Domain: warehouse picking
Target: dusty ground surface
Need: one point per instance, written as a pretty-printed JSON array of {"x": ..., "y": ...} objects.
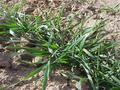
[{"x": 10, "y": 76}]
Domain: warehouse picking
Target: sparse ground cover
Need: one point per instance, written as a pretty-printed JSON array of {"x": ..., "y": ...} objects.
[{"x": 60, "y": 45}]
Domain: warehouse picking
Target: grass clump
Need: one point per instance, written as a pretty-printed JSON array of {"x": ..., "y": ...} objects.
[{"x": 68, "y": 43}]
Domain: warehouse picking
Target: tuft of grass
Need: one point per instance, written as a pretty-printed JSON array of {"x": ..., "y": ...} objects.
[
  {"x": 67, "y": 43},
  {"x": 112, "y": 10}
]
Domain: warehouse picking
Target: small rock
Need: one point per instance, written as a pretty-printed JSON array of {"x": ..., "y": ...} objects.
[{"x": 37, "y": 59}]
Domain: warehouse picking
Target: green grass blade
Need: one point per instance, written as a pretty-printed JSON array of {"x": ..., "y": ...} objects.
[{"x": 46, "y": 76}]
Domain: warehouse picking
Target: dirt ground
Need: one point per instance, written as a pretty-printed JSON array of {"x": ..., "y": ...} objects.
[{"x": 10, "y": 76}]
